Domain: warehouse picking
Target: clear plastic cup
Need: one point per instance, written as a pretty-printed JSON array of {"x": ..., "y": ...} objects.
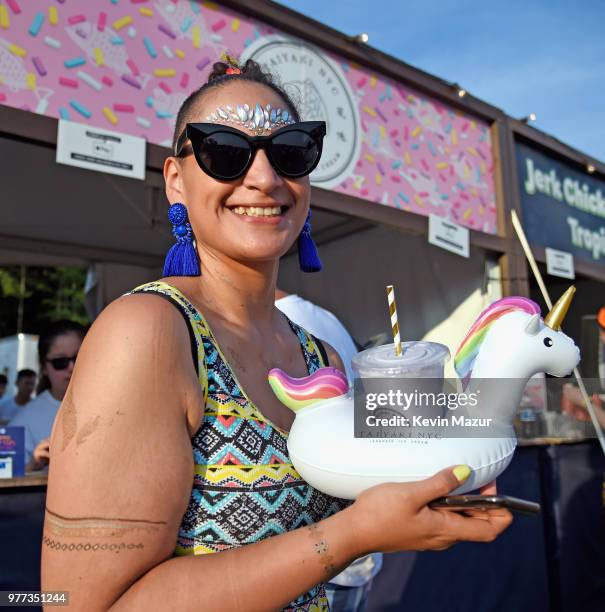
[{"x": 419, "y": 360}]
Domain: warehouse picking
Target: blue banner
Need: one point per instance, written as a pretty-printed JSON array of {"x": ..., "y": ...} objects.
[
  {"x": 563, "y": 208},
  {"x": 12, "y": 451}
]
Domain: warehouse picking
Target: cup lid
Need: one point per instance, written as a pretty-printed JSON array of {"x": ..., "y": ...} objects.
[{"x": 417, "y": 356}]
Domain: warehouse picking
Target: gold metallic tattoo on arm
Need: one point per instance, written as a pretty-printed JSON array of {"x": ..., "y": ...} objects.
[
  {"x": 93, "y": 527},
  {"x": 322, "y": 549},
  {"x": 69, "y": 420},
  {"x": 88, "y": 547},
  {"x": 87, "y": 429}
]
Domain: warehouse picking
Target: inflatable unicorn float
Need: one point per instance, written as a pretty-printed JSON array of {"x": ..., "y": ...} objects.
[{"x": 509, "y": 340}]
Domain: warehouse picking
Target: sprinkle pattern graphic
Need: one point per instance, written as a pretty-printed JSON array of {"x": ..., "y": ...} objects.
[{"x": 416, "y": 154}]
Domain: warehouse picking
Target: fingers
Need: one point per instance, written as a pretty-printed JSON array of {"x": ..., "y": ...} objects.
[
  {"x": 476, "y": 529},
  {"x": 489, "y": 489},
  {"x": 42, "y": 450},
  {"x": 482, "y": 515},
  {"x": 41, "y": 454},
  {"x": 440, "y": 484}
]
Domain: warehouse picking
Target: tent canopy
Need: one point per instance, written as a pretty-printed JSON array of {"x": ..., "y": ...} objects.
[{"x": 58, "y": 211}]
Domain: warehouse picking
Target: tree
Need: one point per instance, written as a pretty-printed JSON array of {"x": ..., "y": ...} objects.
[{"x": 33, "y": 297}]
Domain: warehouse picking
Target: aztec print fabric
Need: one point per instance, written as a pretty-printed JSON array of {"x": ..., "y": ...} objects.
[{"x": 245, "y": 488}]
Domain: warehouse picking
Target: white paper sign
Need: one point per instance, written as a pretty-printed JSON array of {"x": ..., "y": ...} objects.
[
  {"x": 448, "y": 235},
  {"x": 560, "y": 263},
  {"x": 102, "y": 150},
  {"x": 6, "y": 467}
]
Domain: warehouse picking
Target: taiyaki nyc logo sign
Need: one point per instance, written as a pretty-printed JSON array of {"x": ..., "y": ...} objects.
[
  {"x": 318, "y": 87},
  {"x": 563, "y": 208}
]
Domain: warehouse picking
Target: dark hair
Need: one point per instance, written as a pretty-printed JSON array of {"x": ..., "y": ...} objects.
[
  {"x": 47, "y": 337},
  {"x": 25, "y": 373},
  {"x": 3, "y": 380},
  {"x": 250, "y": 71}
]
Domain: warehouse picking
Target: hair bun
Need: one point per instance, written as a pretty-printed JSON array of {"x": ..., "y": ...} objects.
[
  {"x": 224, "y": 71},
  {"x": 229, "y": 66},
  {"x": 253, "y": 70},
  {"x": 219, "y": 69}
]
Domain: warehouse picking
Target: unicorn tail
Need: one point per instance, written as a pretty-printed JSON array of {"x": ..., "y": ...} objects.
[{"x": 298, "y": 393}]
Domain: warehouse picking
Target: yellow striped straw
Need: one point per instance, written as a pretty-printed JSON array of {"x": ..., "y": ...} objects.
[{"x": 394, "y": 322}]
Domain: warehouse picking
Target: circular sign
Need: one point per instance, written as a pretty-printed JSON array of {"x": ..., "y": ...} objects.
[{"x": 320, "y": 91}]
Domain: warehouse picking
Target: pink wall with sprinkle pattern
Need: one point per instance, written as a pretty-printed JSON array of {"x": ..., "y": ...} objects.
[{"x": 128, "y": 65}]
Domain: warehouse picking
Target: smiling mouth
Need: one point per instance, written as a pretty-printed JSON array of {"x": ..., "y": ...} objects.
[{"x": 259, "y": 211}]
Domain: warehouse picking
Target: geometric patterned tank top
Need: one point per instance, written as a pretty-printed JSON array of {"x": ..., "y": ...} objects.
[{"x": 245, "y": 488}]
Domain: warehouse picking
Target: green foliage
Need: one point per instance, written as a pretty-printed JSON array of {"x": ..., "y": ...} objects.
[
  {"x": 49, "y": 294},
  {"x": 9, "y": 282}
]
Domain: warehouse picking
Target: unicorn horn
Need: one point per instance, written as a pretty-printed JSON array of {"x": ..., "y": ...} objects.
[{"x": 557, "y": 313}]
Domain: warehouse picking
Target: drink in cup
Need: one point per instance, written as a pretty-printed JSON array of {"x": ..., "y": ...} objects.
[{"x": 419, "y": 368}]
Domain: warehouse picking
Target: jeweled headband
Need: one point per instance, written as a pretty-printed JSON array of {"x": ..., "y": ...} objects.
[{"x": 258, "y": 118}]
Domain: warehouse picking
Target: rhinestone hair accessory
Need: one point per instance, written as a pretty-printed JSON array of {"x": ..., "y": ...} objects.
[{"x": 258, "y": 118}]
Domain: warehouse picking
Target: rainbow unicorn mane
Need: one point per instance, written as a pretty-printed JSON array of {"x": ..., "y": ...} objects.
[
  {"x": 467, "y": 352},
  {"x": 297, "y": 393}
]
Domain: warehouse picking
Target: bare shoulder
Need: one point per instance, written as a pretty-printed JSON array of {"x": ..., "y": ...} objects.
[
  {"x": 134, "y": 372},
  {"x": 139, "y": 345},
  {"x": 139, "y": 317}
]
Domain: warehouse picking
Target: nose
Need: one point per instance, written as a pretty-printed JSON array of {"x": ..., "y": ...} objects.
[{"x": 261, "y": 174}]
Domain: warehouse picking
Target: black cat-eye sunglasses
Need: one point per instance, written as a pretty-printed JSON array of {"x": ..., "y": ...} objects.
[{"x": 225, "y": 153}]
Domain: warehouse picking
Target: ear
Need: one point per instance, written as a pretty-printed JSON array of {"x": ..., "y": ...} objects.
[
  {"x": 173, "y": 177},
  {"x": 533, "y": 325}
]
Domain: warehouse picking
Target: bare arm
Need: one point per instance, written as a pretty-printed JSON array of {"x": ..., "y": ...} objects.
[{"x": 121, "y": 475}]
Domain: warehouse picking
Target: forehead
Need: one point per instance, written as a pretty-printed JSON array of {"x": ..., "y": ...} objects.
[
  {"x": 234, "y": 94},
  {"x": 64, "y": 344}
]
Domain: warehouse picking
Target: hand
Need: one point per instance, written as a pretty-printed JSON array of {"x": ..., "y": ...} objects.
[
  {"x": 597, "y": 404},
  {"x": 41, "y": 455},
  {"x": 573, "y": 404},
  {"x": 395, "y": 517}
]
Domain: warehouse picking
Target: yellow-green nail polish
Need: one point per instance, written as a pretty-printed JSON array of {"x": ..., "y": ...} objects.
[{"x": 462, "y": 472}]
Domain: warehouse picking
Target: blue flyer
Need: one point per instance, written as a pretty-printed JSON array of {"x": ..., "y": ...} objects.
[{"x": 12, "y": 451}]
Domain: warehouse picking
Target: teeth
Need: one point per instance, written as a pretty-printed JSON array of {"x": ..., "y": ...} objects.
[{"x": 257, "y": 211}]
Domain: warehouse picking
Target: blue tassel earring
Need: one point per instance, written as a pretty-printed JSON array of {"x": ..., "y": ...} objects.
[
  {"x": 308, "y": 257},
  {"x": 181, "y": 259}
]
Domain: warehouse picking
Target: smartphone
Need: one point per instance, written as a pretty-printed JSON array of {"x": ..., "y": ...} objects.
[{"x": 485, "y": 502}]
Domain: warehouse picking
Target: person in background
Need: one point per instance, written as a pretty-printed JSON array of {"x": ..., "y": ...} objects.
[
  {"x": 3, "y": 384},
  {"x": 58, "y": 348},
  {"x": 573, "y": 403},
  {"x": 349, "y": 590},
  {"x": 25, "y": 383},
  {"x": 601, "y": 324}
]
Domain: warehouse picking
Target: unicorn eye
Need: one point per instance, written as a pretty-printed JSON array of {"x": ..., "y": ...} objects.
[{"x": 548, "y": 342}]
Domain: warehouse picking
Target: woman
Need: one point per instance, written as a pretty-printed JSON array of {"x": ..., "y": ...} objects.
[
  {"x": 58, "y": 348},
  {"x": 156, "y": 453}
]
